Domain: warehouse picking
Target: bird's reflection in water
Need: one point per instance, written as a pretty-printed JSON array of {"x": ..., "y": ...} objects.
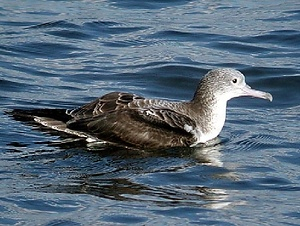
[
  {"x": 166, "y": 177},
  {"x": 206, "y": 154},
  {"x": 171, "y": 177},
  {"x": 209, "y": 153}
]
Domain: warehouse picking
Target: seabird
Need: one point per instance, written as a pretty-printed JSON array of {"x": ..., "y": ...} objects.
[{"x": 134, "y": 121}]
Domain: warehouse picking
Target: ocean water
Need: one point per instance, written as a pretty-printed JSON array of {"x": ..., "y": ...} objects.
[{"x": 62, "y": 54}]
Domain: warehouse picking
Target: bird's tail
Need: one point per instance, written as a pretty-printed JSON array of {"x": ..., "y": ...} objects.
[
  {"x": 27, "y": 115},
  {"x": 54, "y": 119},
  {"x": 51, "y": 118}
]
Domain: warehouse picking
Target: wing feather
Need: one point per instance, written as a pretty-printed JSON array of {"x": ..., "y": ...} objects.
[
  {"x": 107, "y": 103},
  {"x": 166, "y": 117},
  {"x": 138, "y": 127}
]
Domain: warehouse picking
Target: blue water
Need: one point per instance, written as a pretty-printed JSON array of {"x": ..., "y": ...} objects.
[{"x": 61, "y": 54}]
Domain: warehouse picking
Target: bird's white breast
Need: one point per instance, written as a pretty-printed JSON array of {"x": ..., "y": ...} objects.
[{"x": 212, "y": 126}]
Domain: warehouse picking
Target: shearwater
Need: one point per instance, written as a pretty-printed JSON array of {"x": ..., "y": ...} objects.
[{"x": 134, "y": 121}]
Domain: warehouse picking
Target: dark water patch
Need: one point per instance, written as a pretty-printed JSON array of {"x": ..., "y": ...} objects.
[
  {"x": 274, "y": 80},
  {"x": 244, "y": 44},
  {"x": 276, "y": 183},
  {"x": 148, "y": 4},
  {"x": 8, "y": 221},
  {"x": 295, "y": 215},
  {"x": 239, "y": 47},
  {"x": 291, "y": 15},
  {"x": 55, "y": 24},
  {"x": 16, "y": 23},
  {"x": 29, "y": 69},
  {"x": 280, "y": 54},
  {"x": 33, "y": 50},
  {"x": 175, "y": 71},
  {"x": 271, "y": 72},
  {"x": 295, "y": 14},
  {"x": 199, "y": 26},
  {"x": 184, "y": 36},
  {"x": 42, "y": 205},
  {"x": 265, "y": 183},
  {"x": 230, "y": 65},
  {"x": 10, "y": 86},
  {"x": 290, "y": 158},
  {"x": 257, "y": 142},
  {"x": 6, "y": 50},
  {"x": 17, "y": 144},
  {"x": 110, "y": 28},
  {"x": 279, "y": 37},
  {"x": 124, "y": 219},
  {"x": 70, "y": 34},
  {"x": 148, "y": 81},
  {"x": 87, "y": 30},
  {"x": 62, "y": 223},
  {"x": 101, "y": 24},
  {"x": 42, "y": 49},
  {"x": 66, "y": 87},
  {"x": 175, "y": 35},
  {"x": 43, "y": 13},
  {"x": 176, "y": 212},
  {"x": 246, "y": 121},
  {"x": 257, "y": 169},
  {"x": 195, "y": 216},
  {"x": 173, "y": 77},
  {"x": 277, "y": 85},
  {"x": 125, "y": 43}
]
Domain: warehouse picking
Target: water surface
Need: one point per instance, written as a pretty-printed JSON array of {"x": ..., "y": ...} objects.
[{"x": 61, "y": 54}]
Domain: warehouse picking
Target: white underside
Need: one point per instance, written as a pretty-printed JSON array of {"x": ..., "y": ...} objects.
[
  {"x": 200, "y": 137},
  {"x": 216, "y": 123}
]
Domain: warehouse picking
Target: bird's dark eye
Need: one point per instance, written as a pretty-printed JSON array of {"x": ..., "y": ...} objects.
[{"x": 234, "y": 80}]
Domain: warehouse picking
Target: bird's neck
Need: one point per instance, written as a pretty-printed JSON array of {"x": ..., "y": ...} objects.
[{"x": 210, "y": 113}]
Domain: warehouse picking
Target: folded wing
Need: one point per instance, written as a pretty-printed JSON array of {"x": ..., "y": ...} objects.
[
  {"x": 149, "y": 127},
  {"x": 107, "y": 103}
]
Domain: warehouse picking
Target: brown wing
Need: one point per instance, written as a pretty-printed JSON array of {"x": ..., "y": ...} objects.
[
  {"x": 107, "y": 103},
  {"x": 143, "y": 128},
  {"x": 166, "y": 117}
]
